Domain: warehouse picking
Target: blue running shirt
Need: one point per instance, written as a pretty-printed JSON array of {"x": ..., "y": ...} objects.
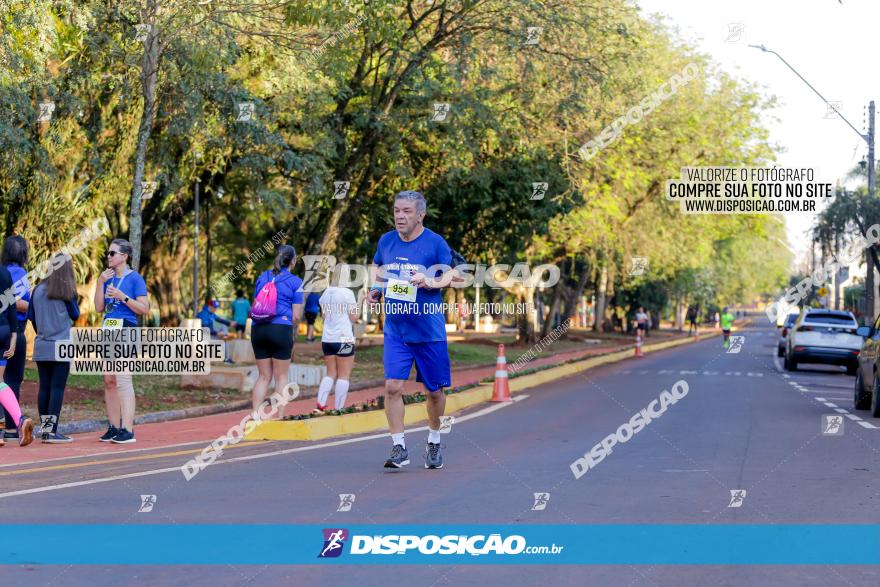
[{"x": 420, "y": 320}]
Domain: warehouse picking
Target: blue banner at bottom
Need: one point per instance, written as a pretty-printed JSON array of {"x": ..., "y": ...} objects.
[{"x": 611, "y": 544}]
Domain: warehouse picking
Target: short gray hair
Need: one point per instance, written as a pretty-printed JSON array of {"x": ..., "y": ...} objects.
[{"x": 413, "y": 196}]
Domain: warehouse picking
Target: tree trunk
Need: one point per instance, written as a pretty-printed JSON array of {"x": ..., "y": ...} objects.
[
  {"x": 449, "y": 294},
  {"x": 549, "y": 323},
  {"x": 165, "y": 280},
  {"x": 574, "y": 295},
  {"x": 679, "y": 320},
  {"x": 149, "y": 83},
  {"x": 525, "y": 321},
  {"x": 459, "y": 299},
  {"x": 601, "y": 288}
]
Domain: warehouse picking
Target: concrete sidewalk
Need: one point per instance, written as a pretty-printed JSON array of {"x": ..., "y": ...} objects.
[{"x": 204, "y": 429}]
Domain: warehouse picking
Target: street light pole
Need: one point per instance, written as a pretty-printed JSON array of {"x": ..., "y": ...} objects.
[
  {"x": 196, "y": 255},
  {"x": 870, "y": 286},
  {"x": 870, "y": 293}
]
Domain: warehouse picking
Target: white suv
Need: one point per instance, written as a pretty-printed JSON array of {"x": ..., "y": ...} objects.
[{"x": 823, "y": 336}]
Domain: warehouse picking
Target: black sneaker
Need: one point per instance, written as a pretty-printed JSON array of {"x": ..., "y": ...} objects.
[
  {"x": 10, "y": 434},
  {"x": 111, "y": 432},
  {"x": 56, "y": 438},
  {"x": 433, "y": 457},
  {"x": 399, "y": 457},
  {"x": 123, "y": 437}
]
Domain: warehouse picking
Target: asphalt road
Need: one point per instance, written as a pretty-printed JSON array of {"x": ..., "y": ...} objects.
[{"x": 744, "y": 424}]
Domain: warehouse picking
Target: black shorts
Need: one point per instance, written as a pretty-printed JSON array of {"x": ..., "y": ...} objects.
[
  {"x": 239, "y": 327},
  {"x": 272, "y": 341},
  {"x": 643, "y": 326},
  {"x": 310, "y": 317},
  {"x": 339, "y": 349}
]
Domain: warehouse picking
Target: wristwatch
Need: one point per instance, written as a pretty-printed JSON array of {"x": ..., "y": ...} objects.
[{"x": 125, "y": 301}]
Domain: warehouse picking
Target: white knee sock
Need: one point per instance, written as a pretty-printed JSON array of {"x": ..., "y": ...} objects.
[
  {"x": 324, "y": 390},
  {"x": 340, "y": 393}
]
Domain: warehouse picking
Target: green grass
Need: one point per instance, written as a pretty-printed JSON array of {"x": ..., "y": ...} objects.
[{"x": 81, "y": 381}]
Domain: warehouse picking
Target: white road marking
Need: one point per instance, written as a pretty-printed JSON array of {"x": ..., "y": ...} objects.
[
  {"x": 45, "y": 488},
  {"x": 685, "y": 470},
  {"x": 109, "y": 452},
  {"x": 823, "y": 387}
]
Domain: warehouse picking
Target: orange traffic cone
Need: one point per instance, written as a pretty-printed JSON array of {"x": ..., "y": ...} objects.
[
  {"x": 501, "y": 393},
  {"x": 639, "y": 352}
]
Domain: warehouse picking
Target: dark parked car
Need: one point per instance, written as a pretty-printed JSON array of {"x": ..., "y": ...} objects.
[
  {"x": 783, "y": 334},
  {"x": 867, "y": 386}
]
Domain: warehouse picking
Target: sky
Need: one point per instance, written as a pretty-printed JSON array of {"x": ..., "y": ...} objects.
[{"x": 828, "y": 42}]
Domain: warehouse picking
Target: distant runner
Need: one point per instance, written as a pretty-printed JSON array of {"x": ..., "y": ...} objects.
[
  {"x": 415, "y": 328},
  {"x": 726, "y": 323},
  {"x": 642, "y": 322},
  {"x": 311, "y": 314}
]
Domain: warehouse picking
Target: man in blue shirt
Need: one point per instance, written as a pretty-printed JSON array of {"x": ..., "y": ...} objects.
[
  {"x": 413, "y": 266},
  {"x": 241, "y": 307},
  {"x": 209, "y": 316}
]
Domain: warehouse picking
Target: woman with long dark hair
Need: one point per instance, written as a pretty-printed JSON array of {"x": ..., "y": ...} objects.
[
  {"x": 53, "y": 308},
  {"x": 15, "y": 257},
  {"x": 8, "y": 342},
  {"x": 274, "y": 327},
  {"x": 122, "y": 296}
]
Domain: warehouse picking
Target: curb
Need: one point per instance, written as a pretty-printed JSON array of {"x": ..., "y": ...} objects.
[
  {"x": 358, "y": 423},
  {"x": 80, "y": 426}
]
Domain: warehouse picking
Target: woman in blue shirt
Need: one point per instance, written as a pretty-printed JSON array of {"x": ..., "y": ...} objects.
[
  {"x": 122, "y": 296},
  {"x": 272, "y": 340},
  {"x": 15, "y": 258}
]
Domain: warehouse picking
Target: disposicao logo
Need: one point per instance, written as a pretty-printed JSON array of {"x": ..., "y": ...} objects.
[{"x": 334, "y": 540}]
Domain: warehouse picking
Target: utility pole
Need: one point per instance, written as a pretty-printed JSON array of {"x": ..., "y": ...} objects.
[
  {"x": 196, "y": 254},
  {"x": 870, "y": 287}
]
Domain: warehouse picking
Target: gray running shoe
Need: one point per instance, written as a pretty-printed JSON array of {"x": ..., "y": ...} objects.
[
  {"x": 433, "y": 457},
  {"x": 399, "y": 457}
]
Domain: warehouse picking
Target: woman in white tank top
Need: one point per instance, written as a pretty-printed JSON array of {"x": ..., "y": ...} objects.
[{"x": 339, "y": 309}]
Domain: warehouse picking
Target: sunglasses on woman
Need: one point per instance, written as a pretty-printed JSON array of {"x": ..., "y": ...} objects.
[{"x": 114, "y": 253}]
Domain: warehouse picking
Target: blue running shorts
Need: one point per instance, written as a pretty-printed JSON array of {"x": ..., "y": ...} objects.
[{"x": 431, "y": 359}]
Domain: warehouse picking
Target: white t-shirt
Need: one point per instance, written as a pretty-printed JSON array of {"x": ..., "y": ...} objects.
[{"x": 336, "y": 302}]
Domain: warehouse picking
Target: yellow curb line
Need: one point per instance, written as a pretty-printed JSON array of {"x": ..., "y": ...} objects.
[{"x": 358, "y": 423}]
